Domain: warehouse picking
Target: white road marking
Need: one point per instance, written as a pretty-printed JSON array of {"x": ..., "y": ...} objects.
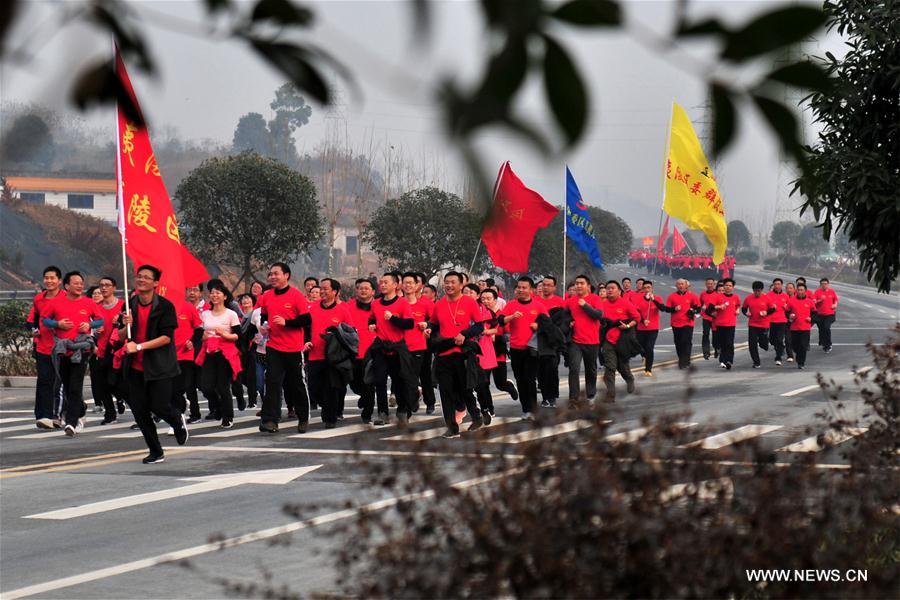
[
  {"x": 92, "y": 426},
  {"x": 830, "y": 438},
  {"x": 325, "y": 434},
  {"x": 862, "y": 371},
  {"x": 633, "y": 435},
  {"x": 799, "y": 391},
  {"x": 16, "y": 411},
  {"x": 15, "y": 420},
  {"x": 162, "y": 426},
  {"x": 882, "y": 310},
  {"x": 714, "y": 442},
  {"x": 867, "y": 305},
  {"x": 541, "y": 433},
  {"x": 209, "y": 483},
  {"x": 436, "y": 432},
  {"x": 229, "y": 433}
]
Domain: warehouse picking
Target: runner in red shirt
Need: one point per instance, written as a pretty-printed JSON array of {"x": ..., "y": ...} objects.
[
  {"x": 496, "y": 332},
  {"x": 519, "y": 317},
  {"x": 758, "y": 309},
  {"x": 184, "y": 387},
  {"x": 326, "y": 314},
  {"x": 801, "y": 310},
  {"x": 778, "y": 320},
  {"x": 47, "y": 390},
  {"x": 360, "y": 308},
  {"x": 620, "y": 315},
  {"x": 284, "y": 310},
  {"x": 727, "y": 306},
  {"x": 683, "y": 305},
  {"x": 548, "y": 364},
  {"x": 826, "y": 304},
  {"x": 421, "y": 309},
  {"x": 392, "y": 317},
  {"x": 585, "y": 345},
  {"x": 706, "y": 297},
  {"x": 648, "y": 306},
  {"x": 101, "y": 363},
  {"x": 72, "y": 317}
]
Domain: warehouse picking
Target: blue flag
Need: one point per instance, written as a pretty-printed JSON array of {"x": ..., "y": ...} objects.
[{"x": 578, "y": 222}]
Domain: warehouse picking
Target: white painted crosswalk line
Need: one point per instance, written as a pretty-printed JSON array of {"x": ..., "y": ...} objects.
[
  {"x": 633, "y": 435},
  {"x": 714, "y": 442},
  {"x": 230, "y": 433},
  {"x": 163, "y": 426},
  {"x": 437, "y": 432},
  {"x": 831, "y": 438},
  {"x": 540, "y": 433},
  {"x": 5, "y": 420},
  {"x": 325, "y": 434},
  {"x": 799, "y": 391},
  {"x": 92, "y": 426}
]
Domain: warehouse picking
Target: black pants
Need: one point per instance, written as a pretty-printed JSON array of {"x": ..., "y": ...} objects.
[
  {"x": 450, "y": 372},
  {"x": 777, "y": 332},
  {"x": 586, "y": 353},
  {"x": 501, "y": 380},
  {"x": 284, "y": 369},
  {"x": 707, "y": 347},
  {"x": 184, "y": 389},
  {"x": 216, "y": 378},
  {"x": 102, "y": 386},
  {"x": 388, "y": 365},
  {"x": 47, "y": 389},
  {"x": 322, "y": 392},
  {"x": 824, "y": 322},
  {"x": 483, "y": 394},
  {"x": 757, "y": 337},
  {"x": 148, "y": 398},
  {"x": 72, "y": 376},
  {"x": 248, "y": 375},
  {"x": 684, "y": 343},
  {"x": 647, "y": 340},
  {"x": 726, "y": 344},
  {"x": 366, "y": 391},
  {"x": 548, "y": 376},
  {"x": 525, "y": 370},
  {"x": 425, "y": 379},
  {"x": 800, "y": 340},
  {"x": 611, "y": 364}
]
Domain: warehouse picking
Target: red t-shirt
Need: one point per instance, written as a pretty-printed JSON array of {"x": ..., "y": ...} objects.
[
  {"x": 619, "y": 310},
  {"x": 648, "y": 311},
  {"x": 825, "y": 300},
  {"x": 629, "y": 295},
  {"x": 39, "y": 306},
  {"x": 520, "y": 331},
  {"x": 802, "y": 309},
  {"x": 140, "y": 334},
  {"x": 109, "y": 316},
  {"x": 755, "y": 306},
  {"x": 684, "y": 302},
  {"x": 552, "y": 302},
  {"x": 420, "y": 311},
  {"x": 188, "y": 320},
  {"x": 707, "y": 298},
  {"x": 288, "y": 304},
  {"x": 384, "y": 329},
  {"x": 585, "y": 330},
  {"x": 779, "y": 301},
  {"x": 80, "y": 311},
  {"x": 453, "y": 317},
  {"x": 359, "y": 318},
  {"x": 322, "y": 319},
  {"x": 727, "y": 317}
]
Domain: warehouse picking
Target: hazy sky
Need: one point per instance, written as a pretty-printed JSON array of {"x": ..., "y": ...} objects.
[{"x": 205, "y": 86}]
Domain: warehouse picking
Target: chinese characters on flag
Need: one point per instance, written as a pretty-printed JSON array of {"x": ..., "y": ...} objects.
[{"x": 146, "y": 219}]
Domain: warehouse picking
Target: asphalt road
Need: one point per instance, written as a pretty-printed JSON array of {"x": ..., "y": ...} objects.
[{"x": 130, "y": 546}]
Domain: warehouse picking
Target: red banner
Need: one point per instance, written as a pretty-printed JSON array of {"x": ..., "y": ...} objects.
[
  {"x": 660, "y": 245},
  {"x": 146, "y": 218},
  {"x": 678, "y": 242},
  {"x": 517, "y": 214}
]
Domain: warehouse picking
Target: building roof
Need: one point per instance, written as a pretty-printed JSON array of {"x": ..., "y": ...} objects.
[{"x": 59, "y": 184}]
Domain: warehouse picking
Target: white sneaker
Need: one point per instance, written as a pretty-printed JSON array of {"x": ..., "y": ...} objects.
[
  {"x": 70, "y": 431},
  {"x": 527, "y": 416},
  {"x": 778, "y": 362},
  {"x": 80, "y": 427},
  {"x": 790, "y": 359},
  {"x": 98, "y": 409},
  {"x": 170, "y": 431}
]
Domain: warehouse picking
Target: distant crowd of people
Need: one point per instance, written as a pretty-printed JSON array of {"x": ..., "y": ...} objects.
[{"x": 689, "y": 266}]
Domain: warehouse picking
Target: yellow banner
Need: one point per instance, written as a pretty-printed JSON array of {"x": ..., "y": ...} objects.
[{"x": 691, "y": 191}]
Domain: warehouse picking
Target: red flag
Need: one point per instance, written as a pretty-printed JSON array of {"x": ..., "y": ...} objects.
[
  {"x": 146, "y": 218},
  {"x": 662, "y": 238},
  {"x": 517, "y": 214},
  {"x": 678, "y": 242}
]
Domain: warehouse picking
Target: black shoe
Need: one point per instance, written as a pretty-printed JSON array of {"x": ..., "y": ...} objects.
[
  {"x": 545, "y": 404},
  {"x": 134, "y": 426},
  {"x": 156, "y": 419},
  {"x": 251, "y": 404},
  {"x": 429, "y": 410},
  {"x": 486, "y": 417},
  {"x": 227, "y": 424},
  {"x": 241, "y": 404},
  {"x": 706, "y": 357},
  {"x": 330, "y": 425},
  {"x": 301, "y": 427},
  {"x": 292, "y": 414},
  {"x": 152, "y": 459},
  {"x": 450, "y": 434},
  {"x": 120, "y": 406},
  {"x": 109, "y": 421},
  {"x": 181, "y": 433},
  {"x": 552, "y": 403},
  {"x": 193, "y": 420},
  {"x": 513, "y": 392},
  {"x": 728, "y": 366},
  {"x": 211, "y": 417},
  {"x": 476, "y": 425},
  {"x": 629, "y": 386},
  {"x": 268, "y": 427},
  {"x": 402, "y": 419},
  {"x": 757, "y": 366},
  {"x": 340, "y": 417}
]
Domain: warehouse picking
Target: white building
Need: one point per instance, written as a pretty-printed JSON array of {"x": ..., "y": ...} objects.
[{"x": 95, "y": 197}]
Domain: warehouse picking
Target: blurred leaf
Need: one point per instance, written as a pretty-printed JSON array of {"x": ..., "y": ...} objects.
[
  {"x": 782, "y": 122},
  {"x": 217, "y": 5},
  {"x": 804, "y": 74},
  {"x": 706, "y": 27},
  {"x": 724, "y": 121},
  {"x": 516, "y": 17},
  {"x": 507, "y": 71},
  {"x": 130, "y": 42},
  {"x": 295, "y": 62},
  {"x": 530, "y": 133},
  {"x": 589, "y": 13},
  {"x": 98, "y": 85},
  {"x": 775, "y": 29},
  {"x": 421, "y": 19},
  {"x": 565, "y": 91},
  {"x": 281, "y": 11},
  {"x": 8, "y": 11}
]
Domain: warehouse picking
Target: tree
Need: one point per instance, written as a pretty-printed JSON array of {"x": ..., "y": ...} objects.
[
  {"x": 810, "y": 241},
  {"x": 853, "y": 171},
  {"x": 614, "y": 238},
  {"x": 252, "y": 134},
  {"x": 249, "y": 211},
  {"x": 275, "y": 138},
  {"x": 28, "y": 144},
  {"x": 784, "y": 236},
  {"x": 425, "y": 230},
  {"x": 738, "y": 236}
]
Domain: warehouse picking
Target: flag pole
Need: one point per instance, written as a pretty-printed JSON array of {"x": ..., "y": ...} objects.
[
  {"x": 493, "y": 201},
  {"x": 477, "y": 248},
  {"x": 120, "y": 204},
  {"x": 664, "y": 170},
  {"x": 565, "y": 233}
]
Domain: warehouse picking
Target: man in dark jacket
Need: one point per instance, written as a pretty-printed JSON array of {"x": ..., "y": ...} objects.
[{"x": 151, "y": 362}]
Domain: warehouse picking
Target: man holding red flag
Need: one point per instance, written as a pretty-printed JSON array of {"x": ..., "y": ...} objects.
[{"x": 517, "y": 214}]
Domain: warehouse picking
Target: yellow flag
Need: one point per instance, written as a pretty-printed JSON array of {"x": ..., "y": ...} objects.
[{"x": 691, "y": 191}]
